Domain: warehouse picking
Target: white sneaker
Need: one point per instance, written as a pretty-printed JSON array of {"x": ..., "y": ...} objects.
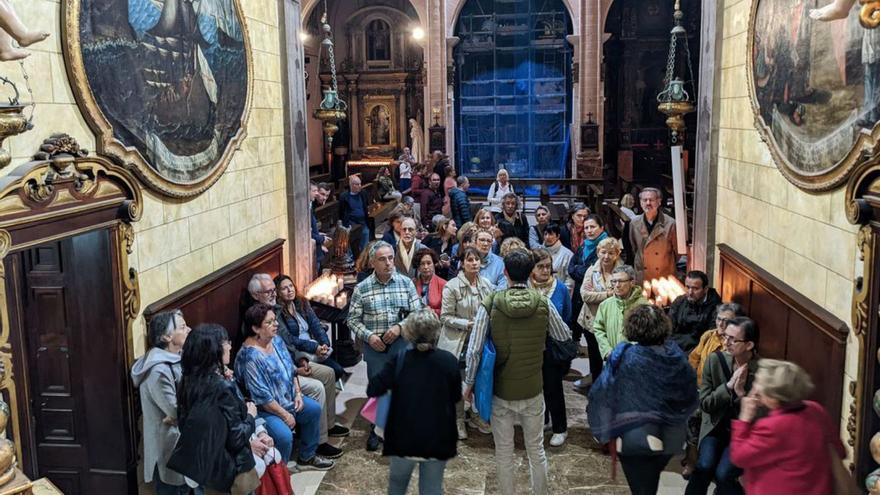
[
  {"x": 462, "y": 430},
  {"x": 558, "y": 439}
]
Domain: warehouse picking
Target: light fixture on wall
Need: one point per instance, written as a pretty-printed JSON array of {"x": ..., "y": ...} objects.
[
  {"x": 675, "y": 100},
  {"x": 418, "y": 34},
  {"x": 332, "y": 108}
]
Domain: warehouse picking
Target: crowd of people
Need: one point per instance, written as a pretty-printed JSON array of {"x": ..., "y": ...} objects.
[{"x": 471, "y": 324}]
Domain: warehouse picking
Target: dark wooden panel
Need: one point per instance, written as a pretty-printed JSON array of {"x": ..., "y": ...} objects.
[
  {"x": 792, "y": 326},
  {"x": 214, "y": 298}
]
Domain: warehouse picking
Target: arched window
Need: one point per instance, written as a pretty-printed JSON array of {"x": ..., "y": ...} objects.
[
  {"x": 513, "y": 88},
  {"x": 378, "y": 41}
]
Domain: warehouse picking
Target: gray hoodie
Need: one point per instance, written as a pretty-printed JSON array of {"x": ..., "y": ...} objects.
[{"x": 156, "y": 375}]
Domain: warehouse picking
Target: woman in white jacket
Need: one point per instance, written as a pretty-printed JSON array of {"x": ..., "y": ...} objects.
[
  {"x": 462, "y": 297},
  {"x": 498, "y": 189}
]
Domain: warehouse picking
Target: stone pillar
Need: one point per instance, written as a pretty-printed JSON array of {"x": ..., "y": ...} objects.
[
  {"x": 590, "y": 61},
  {"x": 296, "y": 157},
  {"x": 706, "y": 162},
  {"x": 575, "y": 42},
  {"x": 435, "y": 58},
  {"x": 449, "y": 122}
]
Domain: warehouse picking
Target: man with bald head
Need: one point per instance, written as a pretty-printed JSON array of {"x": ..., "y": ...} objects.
[{"x": 353, "y": 208}]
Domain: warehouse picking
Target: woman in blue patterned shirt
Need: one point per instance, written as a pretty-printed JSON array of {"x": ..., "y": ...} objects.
[{"x": 265, "y": 370}]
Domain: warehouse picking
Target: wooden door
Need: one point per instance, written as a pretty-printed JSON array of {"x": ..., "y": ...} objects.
[{"x": 79, "y": 424}]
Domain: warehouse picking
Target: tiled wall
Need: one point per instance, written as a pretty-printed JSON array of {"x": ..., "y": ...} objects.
[
  {"x": 801, "y": 238},
  {"x": 178, "y": 242}
]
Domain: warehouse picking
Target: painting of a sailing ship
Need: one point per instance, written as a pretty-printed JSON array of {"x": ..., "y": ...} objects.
[{"x": 170, "y": 76}]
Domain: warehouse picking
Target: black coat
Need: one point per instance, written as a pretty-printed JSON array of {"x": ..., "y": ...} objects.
[
  {"x": 214, "y": 445},
  {"x": 690, "y": 320},
  {"x": 421, "y": 421},
  {"x": 518, "y": 228}
]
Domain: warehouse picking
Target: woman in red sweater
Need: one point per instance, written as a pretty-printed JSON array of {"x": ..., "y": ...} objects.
[{"x": 786, "y": 451}]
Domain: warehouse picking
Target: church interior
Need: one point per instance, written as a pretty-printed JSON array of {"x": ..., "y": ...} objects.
[{"x": 159, "y": 153}]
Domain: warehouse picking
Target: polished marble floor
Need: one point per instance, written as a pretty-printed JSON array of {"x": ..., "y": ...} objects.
[{"x": 578, "y": 467}]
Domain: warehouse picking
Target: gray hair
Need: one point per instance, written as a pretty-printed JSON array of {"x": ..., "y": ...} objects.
[
  {"x": 651, "y": 190},
  {"x": 732, "y": 307},
  {"x": 628, "y": 270},
  {"x": 378, "y": 245},
  {"x": 461, "y": 180},
  {"x": 422, "y": 328},
  {"x": 161, "y": 325},
  {"x": 256, "y": 283}
]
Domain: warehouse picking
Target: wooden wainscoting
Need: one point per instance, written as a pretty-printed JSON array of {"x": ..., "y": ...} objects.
[
  {"x": 792, "y": 327},
  {"x": 214, "y": 298}
]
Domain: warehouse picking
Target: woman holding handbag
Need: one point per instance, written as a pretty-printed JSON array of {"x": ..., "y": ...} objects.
[
  {"x": 794, "y": 448},
  {"x": 425, "y": 387},
  {"x": 217, "y": 445}
]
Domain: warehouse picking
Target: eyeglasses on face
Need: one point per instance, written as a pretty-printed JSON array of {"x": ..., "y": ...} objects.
[
  {"x": 268, "y": 292},
  {"x": 721, "y": 321},
  {"x": 620, "y": 281},
  {"x": 732, "y": 339}
]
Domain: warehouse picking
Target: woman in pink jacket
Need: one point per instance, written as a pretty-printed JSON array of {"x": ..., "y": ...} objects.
[{"x": 787, "y": 451}]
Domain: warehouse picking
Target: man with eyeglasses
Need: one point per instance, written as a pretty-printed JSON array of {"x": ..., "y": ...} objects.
[
  {"x": 608, "y": 323},
  {"x": 491, "y": 265},
  {"x": 711, "y": 341},
  {"x": 321, "y": 385},
  {"x": 727, "y": 378},
  {"x": 693, "y": 312}
]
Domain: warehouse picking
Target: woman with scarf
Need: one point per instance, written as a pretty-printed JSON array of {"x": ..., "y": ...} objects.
[
  {"x": 593, "y": 233},
  {"x": 462, "y": 297},
  {"x": 595, "y": 289},
  {"x": 407, "y": 247},
  {"x": 536, "y": 232},
  {"x": 428, "y": 285},
  {"x": 572, "y": 234},
  {"x": 641, "y": 403},
  {"x": 543, "y": 281}
]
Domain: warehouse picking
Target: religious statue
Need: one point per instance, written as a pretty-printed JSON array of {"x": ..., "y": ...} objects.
[
  {"x": 418, "y": 141},
  {"x": 11, "y": 28},
  {"x": 343, "y": 261},
  {"x": 380, "y": 126}
]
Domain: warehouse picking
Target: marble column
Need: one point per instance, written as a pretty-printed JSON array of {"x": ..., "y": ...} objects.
[
  {"x": 706, "y": 162},
  {"x": 296, "y": 157}
]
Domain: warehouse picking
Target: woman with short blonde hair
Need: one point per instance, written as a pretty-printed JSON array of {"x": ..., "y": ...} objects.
[{"x": 791, "y": 449}]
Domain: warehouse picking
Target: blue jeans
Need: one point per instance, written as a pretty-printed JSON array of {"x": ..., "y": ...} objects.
[
  {"x": 430, "y": 476},
  {"x": 309, "y": 423},
  {"x": 713, "y": 460}
]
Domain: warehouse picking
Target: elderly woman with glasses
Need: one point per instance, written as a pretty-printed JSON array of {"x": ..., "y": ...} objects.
[
  {"x": 727, "y": 378},
  {"x": 608, "y": 323},
  {"x": 792, "y": 449},
  {"x": 265, "y": 369}
]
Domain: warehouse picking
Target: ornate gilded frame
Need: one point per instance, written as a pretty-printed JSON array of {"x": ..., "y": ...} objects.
[
  {"x": 390, "y": 102},
  {"x": 108, "y": 145},
  {"x": 833, "y": 177},
  {"x": 62, "y": 183}
]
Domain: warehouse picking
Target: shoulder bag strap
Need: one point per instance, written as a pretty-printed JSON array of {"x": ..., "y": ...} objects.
[{"x": 724, "y": 366}]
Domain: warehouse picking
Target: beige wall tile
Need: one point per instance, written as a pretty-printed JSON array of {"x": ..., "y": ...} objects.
[
  {"x": 244, "y": 215},
  {"x": 209, "y": 227},
  {"x": 807, "y": 277},
  {"x": 273, "y": 204},
  {"x": 838, "y": 297},
  {"x": 736, "y": 19},
  {"x": 153, "y": 284},
  {"x": 230, "y": 249},
  {"x": 153, "y": 213},
  {"x": 187, "y": 269},
  {"x": 768, "y": 255},
  {"x": 733, "y": 82}
]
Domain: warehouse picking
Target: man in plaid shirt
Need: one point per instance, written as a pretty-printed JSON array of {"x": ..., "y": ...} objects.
[{"x": 379, "y": 304}]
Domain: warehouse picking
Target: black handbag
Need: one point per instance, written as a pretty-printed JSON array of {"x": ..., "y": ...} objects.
[{"x": 561, "y": 352}]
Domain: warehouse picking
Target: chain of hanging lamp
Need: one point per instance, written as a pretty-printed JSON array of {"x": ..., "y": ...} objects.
[{"x": 678, "y": 31}]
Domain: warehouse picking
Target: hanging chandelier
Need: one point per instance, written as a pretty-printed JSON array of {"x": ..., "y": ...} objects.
[
  {"x": 675, "y": 101},
  {"x": 332, "y": 108}
]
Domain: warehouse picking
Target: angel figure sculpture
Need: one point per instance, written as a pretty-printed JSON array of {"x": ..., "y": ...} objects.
[{"x": 11, "y": 28}]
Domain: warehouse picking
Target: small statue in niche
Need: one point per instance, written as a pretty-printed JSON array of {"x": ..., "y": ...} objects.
[
  {"x": 418, "y": 140},
  {"x": 11, "y": 28}
]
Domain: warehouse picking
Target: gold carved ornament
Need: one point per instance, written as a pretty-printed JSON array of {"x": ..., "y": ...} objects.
[
  {"x": 869, "y": 15},
  {"x": 62, "y": 182}
]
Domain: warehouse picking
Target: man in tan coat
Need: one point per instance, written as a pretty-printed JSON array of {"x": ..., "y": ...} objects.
[{"x": 651, "y": 239}]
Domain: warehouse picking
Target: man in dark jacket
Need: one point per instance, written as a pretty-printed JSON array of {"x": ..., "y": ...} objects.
[
  {"x": 432, "y": 201},
  {"x": 353, "y": 208},
  {"x": 693, "y": 312},
  {"x": 459, "y": 204}
]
